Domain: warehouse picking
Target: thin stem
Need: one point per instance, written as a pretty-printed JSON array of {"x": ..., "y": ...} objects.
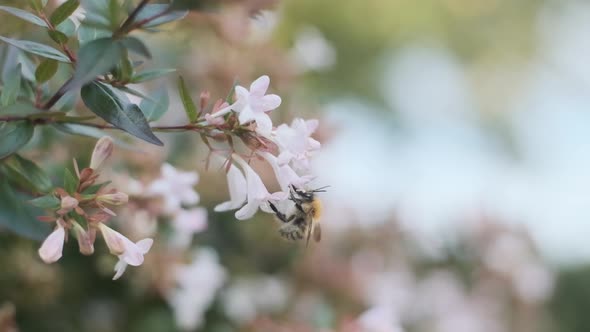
[
  {"x": 56, "y": 97},
  {"x": 124, "y": 28}
]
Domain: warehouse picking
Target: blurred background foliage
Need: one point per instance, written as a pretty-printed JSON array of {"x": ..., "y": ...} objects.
[{"x": 212, "y": 49}]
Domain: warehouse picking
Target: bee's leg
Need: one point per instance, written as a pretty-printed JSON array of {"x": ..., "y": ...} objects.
[{"x": 279, "y": 214}]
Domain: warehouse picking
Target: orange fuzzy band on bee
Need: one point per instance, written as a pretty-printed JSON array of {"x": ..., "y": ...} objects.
[{"x": 316, "y": 209}]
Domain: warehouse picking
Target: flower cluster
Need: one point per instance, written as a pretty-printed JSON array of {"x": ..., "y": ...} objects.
[
  {"x": 83, "y": 207},
  {"x": 287, "y": 149}
]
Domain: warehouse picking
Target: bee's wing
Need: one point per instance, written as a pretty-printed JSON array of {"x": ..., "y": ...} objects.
[{"x": 317, "y": 232}]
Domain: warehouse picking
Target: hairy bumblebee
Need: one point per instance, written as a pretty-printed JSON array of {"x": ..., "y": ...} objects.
[{"x": 303, "y": 219}]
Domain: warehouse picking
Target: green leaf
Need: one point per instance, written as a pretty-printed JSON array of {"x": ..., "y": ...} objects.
[
  {"x": 154, "y": 108},
  {"x": 48, "y": 202},
  {"x": 14, "y": 136},
  {"x": 155, "y": 9},
  {"x": 27, "y": 174},
  {"x": 187, "y": 101},
  {"x": 18, "y": 217},
  {"x": 87, "y": 33},
  {"x": 194, "y": 4},
  {"x": 67, "y": 27},
  {"x": 57, "y": 36},
  {"x": 137, "y": 46},
  {"x": 11, "y": 86},
  {"x": 126, "y": 68},
  {"x": 64, "y": 11},
  {"x": 116, "y": 110},
  {"x": 24, "y": 15},
  {"x": 150, "y": 75},
  {"x": 37, "y": 48},
  {"x": 38, "y": 5},
  {"x": 70, "y": 182},
  {"x": 81, "y": 130},
  {"x": 19, "y": 109},
  {"x": 95, "y": 58},
  {"x": 47, "y": 68}
]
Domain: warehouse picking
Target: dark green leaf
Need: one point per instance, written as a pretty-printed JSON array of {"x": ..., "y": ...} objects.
[
  {"x": 132, "y": 91},
  {"x": 156, "y": 9},
  {"x": 194, "y": 4},
  {"x": 57, "y": 36},
  {"x": 81, "y": 130},
  {"x": 70, "y": 182},
  {"x": 19, "y": 217},
  {"x": 150, "y": 75},
  {"x": 93, "y": 189},
  {"x": 113, "y": 108},
  {"x": 46, "y": 202},
  {"x": 11, "y": 87},
  {"x": 126, "y": 68},
  {"x": 154, "y": 108},
  {"x": 47, "y": 68},
  {"x": 187, "y": 101},
  {"x": 27, "y": 174},
  {"x": 14, "y": 136},
  {"x": 137, "y": 46},
  {"x": 64, "y": 11},
  {"x": 37, "y": 48},
  {"x": 95, "y": 58},
  {"x": 24, "y": 15}
]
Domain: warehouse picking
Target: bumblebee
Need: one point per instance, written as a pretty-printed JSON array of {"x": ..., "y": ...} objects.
[{"x": 303, "y": 220}]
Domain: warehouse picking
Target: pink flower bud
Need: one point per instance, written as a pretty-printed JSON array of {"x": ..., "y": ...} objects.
[
  {"x": 85, "y": 243},
  {"x": 113, "y": 239},
  {"x": 117, "y": 198},
  {"x": 102, "y": 151},
  {"x": 51, "y": 249},
  {"x": 68, "y": 203}
]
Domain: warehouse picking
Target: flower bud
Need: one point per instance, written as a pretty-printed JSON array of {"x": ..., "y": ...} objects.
[
  {"x": 102, "y": 151},
  {"x": 84, "y": 243},
  {"x": 113, "y": 240},
  {"x": 204, "y": 99},
  {"x": 117, "y": 198},
  {"x": 68, "y": 203}
]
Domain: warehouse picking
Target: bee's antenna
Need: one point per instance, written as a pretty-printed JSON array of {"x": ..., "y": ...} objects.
[{"x": 321, "y": 189}]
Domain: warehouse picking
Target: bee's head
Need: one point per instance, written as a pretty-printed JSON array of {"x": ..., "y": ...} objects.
[{"x": 303, "y": 195}]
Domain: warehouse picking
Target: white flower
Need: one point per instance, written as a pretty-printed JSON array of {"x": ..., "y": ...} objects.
[
  {"x": 197, "y": 285},
  {"x": 253, "y": 104},
  {"x": 285, "y": 175},
  {"x": 257, "y": 195},
  {"x": 238, "y": 190},
  {"x": 130, "y": 256},
  {"x": 295, "y": 143},
  {"x": 312, "y": 51},
  {"x": 186, "y": 223},
  {"x": 176, "y": 187},
  {"x": 379, "y": 319},
  {"x": 129, "y": 253},
  {"x": 51, "y": 249}
]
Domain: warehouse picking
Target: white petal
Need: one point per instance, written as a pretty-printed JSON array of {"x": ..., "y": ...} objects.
[
  {"x": 263, "y": 124},
  {"x": 270, "y": 102},
  {"x": 51, "y": 249},
  {"x": 120, "y": 268},
  {"x": 145, "y": 245},
  {"x": 248, "y": 210},
  {"x": 259, "y": 87},
  {"x": 237, "y": 190},
  {"x": 246, "y": 115}
]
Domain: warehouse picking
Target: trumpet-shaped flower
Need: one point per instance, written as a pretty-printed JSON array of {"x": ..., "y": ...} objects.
[
  {"x": 51, "y": 249},
  {"x": 237, "y": 190},
  {"x": 257, "y": 194},
  {"x": 176, "y": 188},
  {"x": 133, "y": 255},
  {"x": 295, "y": 142},
  {"x": 253, "y": 104}
]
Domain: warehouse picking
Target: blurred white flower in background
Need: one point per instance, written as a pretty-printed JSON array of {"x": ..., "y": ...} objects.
[
  {"x": 312, "y": 51},
  {"x": 187, "y": 223},
  {"x": 246, "y": 298},
  {"x": 379, "y": 319},
  {"x": 197, "y": 284},
  {"x": 175, "y": 187}
]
